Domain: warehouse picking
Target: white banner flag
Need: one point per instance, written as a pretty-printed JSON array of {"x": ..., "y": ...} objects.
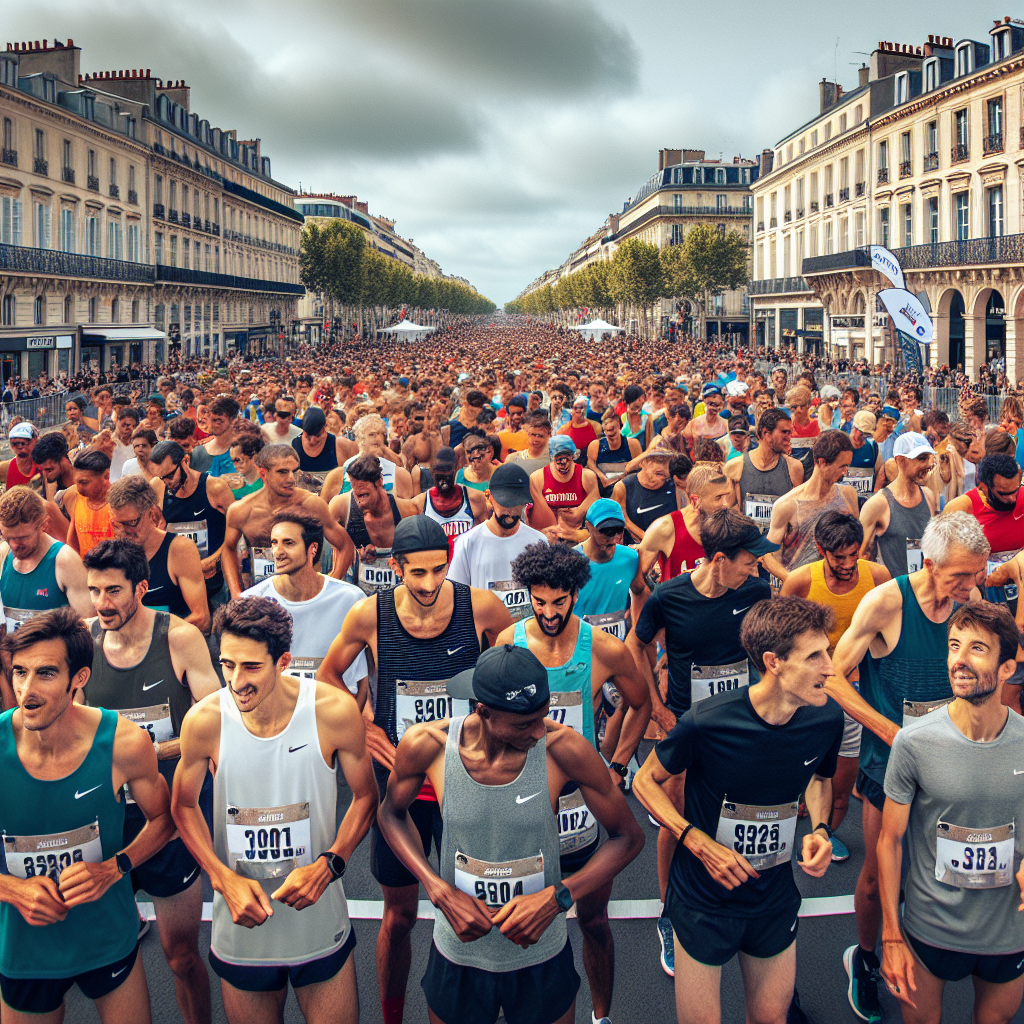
[
  {"x": 887, "y": 265},
  {"x": 908, "y": 314}
]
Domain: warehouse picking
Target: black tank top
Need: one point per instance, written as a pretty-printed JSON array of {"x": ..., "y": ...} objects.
[
  {"x": 322, "y": 463},
  {"x": 356, "y": 525},
  {"x": 643, "y": 505},
  {"x": 164, "y": 594},
  {"x": 196, "y": 517},
  {"x": 403, "y": 656}
]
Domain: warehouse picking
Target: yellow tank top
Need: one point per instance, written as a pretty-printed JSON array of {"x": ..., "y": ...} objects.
[
  {"x": 91, "y": 525},
  {"x": 844, "y": 605}
]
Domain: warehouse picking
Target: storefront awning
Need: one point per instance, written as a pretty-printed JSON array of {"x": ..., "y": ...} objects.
[{"x": 99, "y": 335}]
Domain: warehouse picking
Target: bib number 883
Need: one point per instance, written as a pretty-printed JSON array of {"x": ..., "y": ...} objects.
[
  {"x": 430, "y": 709},
  {"x": 265, "y": 843},
  {"x": 51, "y": 864},
  {"x": 497, "y": 893},
  {"x": 974, "y": 858},
  {"x": 756, "y": 839}
]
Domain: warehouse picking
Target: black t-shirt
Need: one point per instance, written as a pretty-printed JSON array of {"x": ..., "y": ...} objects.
[
  {"x": 728, "y": 750},
  {"x": 697, "y": 628}
]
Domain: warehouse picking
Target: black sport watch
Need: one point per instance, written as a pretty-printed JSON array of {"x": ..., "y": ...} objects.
[
  {"x": 335, "y": 862},
  {"x": 563, "y": 898},
  {"x": 620, "y": 769},
  {"x": 123, "y": 862}
]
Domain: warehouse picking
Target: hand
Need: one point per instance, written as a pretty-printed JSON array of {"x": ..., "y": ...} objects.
[
  {"x": 524, "y": 919},
  {"x": 816, "y": 854},
  {"x": 39, "y": 902},
  {"x": 209, "y": 564},
  {"x": 469, "y": 917},
  {"x": 367, "y": 553},
  {"x": 618, "y": 780},
  {"x": 1020, "y": 884},
  {"x": 664, "y": 718},
  {"x": 86, "y": 883},
  {"x": 728, "y": 868},
  {"x": 379, "y": 746},
  {"x": 245, "y": 898},
  {"x": 898, "y": 970},
  {"x": 304, "y": 886}
]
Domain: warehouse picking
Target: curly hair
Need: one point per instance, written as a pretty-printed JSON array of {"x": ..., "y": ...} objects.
[
  {"x": 259, "y": 619},
  {"x": 557, "y": 566},
  {"x": 21, "y": 505}
]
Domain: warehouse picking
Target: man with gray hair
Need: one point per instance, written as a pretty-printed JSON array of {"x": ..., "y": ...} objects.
[{"x": 902, "y": 625}]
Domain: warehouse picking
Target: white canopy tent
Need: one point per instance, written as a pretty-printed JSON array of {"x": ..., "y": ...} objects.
[
  {"x": 596, "y": 328},
  {"x": 409, "y": 331}
]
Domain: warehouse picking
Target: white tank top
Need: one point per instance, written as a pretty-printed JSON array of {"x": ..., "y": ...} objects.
[
  {"x": 453, "y": 525},
  {"x": 274, "y": 810},
  {"x": 387, "y": 468}
]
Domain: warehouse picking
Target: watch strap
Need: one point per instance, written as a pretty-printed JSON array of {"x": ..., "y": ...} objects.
[
  {"x": 619, "y": 768},
  {"x": 563, "y": 898},
  {"x": 123, "y": 862}
]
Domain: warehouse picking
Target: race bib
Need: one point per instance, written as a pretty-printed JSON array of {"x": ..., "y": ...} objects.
[
  {"x": 496, "y": 882},
  {"x": 196, "y": 531},
  {"x": 764, "y": 835},
  {"x": 425, "y": 701},
  {"x": 915, "y": 709},
  {"x": 974, "y": 858},
  {"x": 609, "y": 622},
  {"x": 801, "y": 444},
  {"x": 268, "y": 842},
  {"x": 38, "y": 856},
  {"x": 376, "y": 573},
  {"x": 262, "y": 564},
  {"x": 759, "y": 508},
  {"x": 915, "y": 558},
  {"x": 566, "y": 708},
  {"x": 707, "y": 680},
  {"x": 155, "y": 720},
  {"x": 995, "y": 560},
  {"x": 612, "y": 470},
  {"x": 304, "y": 668},
  {"x": 860, "y": 478},
  {"x": 577, "y": 826},
  {"x": 16, "y": 617},
  {"x": 516, "y": 599}
]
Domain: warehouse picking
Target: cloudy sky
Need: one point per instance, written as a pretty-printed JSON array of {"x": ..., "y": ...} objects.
[{"x": 498, "y": 133}]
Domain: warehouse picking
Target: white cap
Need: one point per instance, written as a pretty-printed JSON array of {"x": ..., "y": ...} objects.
[
  {"x": 23, "y": 431},
  {"x": 912, "y": 445},
  {"x": 736, "y": 389},
  {"x": 829, "y": 391}
]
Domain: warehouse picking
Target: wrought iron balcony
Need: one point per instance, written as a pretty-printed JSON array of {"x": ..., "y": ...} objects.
[
  {"x": 1003, "y": 249},
  {"x": 844, "y": 195},
  {"x": 10, "y": 157},
  {"x": 814, "y": 206},
  {"x": 172, "y": 216},
  {"x": 860, "y": 188},
  {"x": 68, "y": 174},
  {"x": 993, "y": 143},
  {"x": 883, "y": 175},
  {"x": 214, "y": 228},
  {"x": 206, "y": 225},
  {"x": 960, "y": 153},
  {"x": 205, "y": 279},
  {"x": 133, "y": 197},
  {"x": 114, "y": 192},
  {"x": 906, "y": 169},
  {"x": 158, "y": 211},
  {"x": 22, "y": 259},
  {"x": 186, "y": 220},
  {"x": 92, "y": 183},
  {"x": 40, "y": 166},
  {"x": 931, "y": 161}
]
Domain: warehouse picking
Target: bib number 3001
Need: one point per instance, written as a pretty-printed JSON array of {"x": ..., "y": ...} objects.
[
  {"x": 765, "y": 836},
  {"x": 268, "y": 842}
]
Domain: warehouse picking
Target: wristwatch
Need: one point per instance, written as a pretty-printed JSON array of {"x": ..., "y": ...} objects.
[
  {"x": 123, "y": 862},
  {"x": 619, "y": 768},
  {"x": 825, "y": 825},
  {"x": 335, "y": 862},
  {"x": 563, "y": 898}
]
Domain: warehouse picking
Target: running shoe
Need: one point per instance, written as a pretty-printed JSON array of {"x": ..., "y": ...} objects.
[
  {"x": 668, "y": 949},
  {"x": 839, "y": 850},
  {"x": 863, "y": 988},
  {"x": 795, "y": 1015}
]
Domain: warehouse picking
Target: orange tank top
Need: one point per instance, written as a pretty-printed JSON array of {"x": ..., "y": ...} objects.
[
  {"x": 91, "y": 525},
  {"x": 844, "y": 605}
]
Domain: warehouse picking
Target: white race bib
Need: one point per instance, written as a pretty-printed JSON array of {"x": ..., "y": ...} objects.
[
  {"x": 860, "y": 478},
  {"x": 36, "y": 856},
  {"x": 995, "y": 560},
  {"x": 915, "y": 557},
  {"x": 155, "y": 720},
  {"x": 304, "y": 668},
  {"x": 707, "y": 680},
  {"x": 516, "y": 599},
  {"x": 609, "y": 622},
  {"x": 17, "y": 617},
  {"x": 974, "y": 858},
  {"x": 376, "y": 573},
  {"x": 497, "y": 882},
  {"x": 764, "y": 835},
  {"x": 425, "y": 701},
  {"x": 262, "y": 564},
  {"x": 759, "y": 508},
  {"x": 577, "y": 826},
  {"x": 268, "y": 842},
  {"x": 196, "y": 531},
  {"x": 566, "y": 708},
  {"x": 915, "y": 709}
]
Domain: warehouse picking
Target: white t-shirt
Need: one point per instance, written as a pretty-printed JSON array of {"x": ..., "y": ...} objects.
[
  {"x": 130, "y": 466},
  {"x": 271, "y": 436},
  {"x": 315, "y": 625},
  {"x": 123, "y": 454}
]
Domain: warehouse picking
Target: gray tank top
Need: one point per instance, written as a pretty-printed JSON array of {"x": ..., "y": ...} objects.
[
  {"x": 905, "y": 524},
  {"x": 760, "y": 488},
  {"x": 499, "y": 842}
]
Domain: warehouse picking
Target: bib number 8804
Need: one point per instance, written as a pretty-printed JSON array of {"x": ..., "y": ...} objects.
[
  {"x": 431, "y": 709},
  {"x": 266, "y": 843},
  {"x": 974, "y": 858},
  {"x": 756, "y": 839},
  {"x": 497, "y": 893}
]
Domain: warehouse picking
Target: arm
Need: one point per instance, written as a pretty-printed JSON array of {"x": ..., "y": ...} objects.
[
  {"x": 959, "y": 504},
  {"x": 56, "y": 524},
  {"x": 816, "y": 852},
  {"x": 337, "y": 537},
  {"x": 619, "y": 666},
  {"x": 638, "y": 650},
  {"x": 798, "y": 583},
  {"x": 490, "y": 614},
  {"x": 777, "y": 531},
  {"x": 229, "y": 552},
  {"x": 192, "y": 665},
  {"x": 186, "y": 570},
  {"x": 403, "y": 482},
  {"x": 898, "y": 965},
  {"x": 796, "y": 470},
  {"x": 657, "y": 540},
  {"x": 871, "y": 517},
  {"x": 71, "y": 579},
  {"x": 541, "y": 517},
  {"x": 70, "y": 496}
]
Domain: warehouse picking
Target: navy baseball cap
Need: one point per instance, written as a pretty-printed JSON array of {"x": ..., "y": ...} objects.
[{"x": 506, "y": 678}]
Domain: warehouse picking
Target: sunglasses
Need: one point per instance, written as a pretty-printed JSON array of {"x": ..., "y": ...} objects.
[
  {"x": 611, "y": 531},
  {"x": 129, "y": 523},
  {"x": 476, "y": 453},
  {"x": 283, "y": 415}
]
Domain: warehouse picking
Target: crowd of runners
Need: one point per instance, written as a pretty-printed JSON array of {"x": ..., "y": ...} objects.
[{"x": 455, "y": 589}]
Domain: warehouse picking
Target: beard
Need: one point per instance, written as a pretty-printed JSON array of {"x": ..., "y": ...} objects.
[
  {"x": 562, "y": 620},
  {"x": 998, "y": 505},
  {"x": 984, "y": 686},
  {"x": 506, "y": 522},
  {"x": 842, "y": 575}
]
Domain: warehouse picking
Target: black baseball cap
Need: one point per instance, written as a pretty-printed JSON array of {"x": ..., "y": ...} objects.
[
  {"x": 418, "y": 533},
  {"x": 314, "y": 421},
  {"x": 510, "y": 485},
  {"x": 446, "y": 461},
  {"x": 505, "y": 678}
]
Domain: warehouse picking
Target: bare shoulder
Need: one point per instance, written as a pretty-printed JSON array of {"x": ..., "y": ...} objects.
[
  {"x": 484, "y": 600},
  {"x": 202, "y": 720},
  {"x": 734, "y": 469},
  {"x": 182, "y": 635},
  {"x": 879, "y": 573},
  {"x": 506, "y": 636},
  {"x": 130, "y": 742},
  {"x": 798, "y": 583},
  {"x": 336, "y": 707},
  {"x": 420, "y": 746},
  {"x": 885, "y": 600}
]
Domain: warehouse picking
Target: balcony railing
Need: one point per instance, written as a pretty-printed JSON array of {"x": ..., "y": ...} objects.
[
  {"x": 860, "y": 188},
  {"x": 68, "y": 174},
  {"x": 133, "y": 197},
  {"x": 21, "y": 259},
  {"x": 1004, "y": 249},
  {"x": 844, "y": 195},
  {"x": 92, "y": 183},
  {"x": 931, "y": 161},
  {"x": 814, "y": 206},
  {"x": 906, "y": 169},
  {"x": 773, "y": 222},
  {"x": 206, "y": 225},
  {"x": 207, "y": 280},
  {"x": 114, "y": 191},
  {"x": 799, "y": 213},
  {"x": 960, "y": 153},
  {"x": 40, "y": 166},
  {"x": 993, "y": 143},
  {"x": 214, "y": 228},
  {"x": 158, "y": 211},
  {"x": 10, "y": 157},
  {"x": 778, "y": 286},
  {"x": 172, "y": 216},
  {"x": 883, "y": 175},
  {"x": 186, "y": 220}
]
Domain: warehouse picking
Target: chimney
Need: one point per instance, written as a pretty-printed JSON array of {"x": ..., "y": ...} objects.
[
  {"x": 669, "y": 158},
  {"x": 767, "y": 160},
  {"x": 862, "y": 75},
  {"x": 828, "y": 93}
]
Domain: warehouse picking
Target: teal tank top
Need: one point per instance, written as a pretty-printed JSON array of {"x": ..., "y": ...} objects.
[
  {"x": 26, "y": 593},
  {"x": 912, "y": 675},
  {"x": 607, "y": 590},
  {"x": 460, "y": 478},
  {"x": 48, "y": 825}
]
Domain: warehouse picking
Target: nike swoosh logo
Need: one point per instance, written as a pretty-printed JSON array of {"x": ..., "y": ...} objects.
[
  {"x": 189, "y": 875},
  {"x": 812, "y": 760},
  {"x": 792, "y": 927},
  {"x": 452, "y": 650},
  {"x": 650, "y": 508},
  {"x": 1020, "y": 964},
  {"x": 114, "y": 974},
  {"x": 291, "y": 750},
  {"x": 78, "y": 796},
  {"x": 149, "y": 686},
  {"x": 616, "y": 583},
  {"x": 740, "y": 611},
  {"x": 199, "y": 511},
  {"x": 523, "y": 799},
  {"x": 153, "y": 590},
  {"x": 1017, "y": 771}
]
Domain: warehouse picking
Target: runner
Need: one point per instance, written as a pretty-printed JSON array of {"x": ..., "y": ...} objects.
[
  {"x": 283, "y": 429},
  {"x": 897, "y": 515},
  {"x": 419, "y": 635},
  {"x": 537, "y": 428},
  {"x": 480, "y": 461},
  {"x": 674, "y": 540},
  {"x": 68, "y": 917},
  {"x": 763, "y": 475},
  {"x": 709, "y": 424},
  {"x": 608, "y": 456},
  {"x": 866, "y": 473},
  {"x": 746, "y": 757},
  {"x": 453, "y": 432},
  {"x": 85, "y": 503},
  {"x": 562, "y": 492},
  {"x": 902, "y": 624},
  {"x": 22, "y": 468},
  {"x": 318, "y": 450},
  {"x": 583, "y": 426},
  {"x": 513, "y": 438},
  {"x": 250, "y": 518},
  {"x": 247, "y": 477},
  {"x": 276, "y": 741},
  {"x": 371, "y": 439},
  {"x": 455, "y": 506},
  {"x": 175, "y": 573},
  {"x": 476, "y": 763},
  {"x": 151, "y": 666},
  {"x": 221, "y": 425},
  {"x": 127, "y": 424},
  {"x": 483, "y": 556},
  {"x": 961, "y": 916},
  {"x": 705, "y": 656},
  {"x": 806, "y": 429},
  {"x": 194, "y": 505},
  {"x": 317, "y": 604},
  {"x": 650, "y": 493}
]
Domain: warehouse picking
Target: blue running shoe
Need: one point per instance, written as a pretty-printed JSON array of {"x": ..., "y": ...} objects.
[
  {"x": 839, "y": 850},
  {"x": 668, "y": 949},
  {"x": 863, "y": 988}
]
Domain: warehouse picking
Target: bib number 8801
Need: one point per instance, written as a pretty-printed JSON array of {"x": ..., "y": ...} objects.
[
  {"x": 431, "y": 709},
  {"x": 497, "y": 893},
  {"x": 756, "y": 839},
  {"x": 265, "y": 843},
  {"x": 51, "y": 864},
  {"x": 974, "y": 858}
]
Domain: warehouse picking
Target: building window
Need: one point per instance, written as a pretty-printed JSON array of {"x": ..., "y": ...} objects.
[
  {"x": 93, "y": 182},
  {"x": 828, "y": 131},
  {"x": 858, "y": 114},
  {"x": 158, "y": 246},
  {"x": 931, "y": 75},
  {"x": 67, "y": 230},
  {"x": 719, "y": 177},
  {"x": 69, "y": 308},
  {"x": 39, "y": 311},
  {"x": 113, "y": 172},
  {"x": 961, "y": 128},
  {"x": 135, "y": 311},
  {"x": 842, "y": 123},
  {"x": 859, "y": 227},
  {"x": 883, "y": 223},
  {"x": 174, "y": 250},
  {"x": 932, "y": 137},
  {"x": 964, "y": 60},
  {"x": 92, "y": 235},
  {"x": 114, "y": 240},
  {"x": 994, "y": 139},
  {"x": 42, "y": 218},
  {"x": 93, "y": 310},
  {"x": 134, "y": 253},
  {"x": 40, "y": 144},
  {"x": 115, "y": 311},
  {"x": 963, "y": 216},
  {"x": 8, "y": 310},
  {"x": 814, "y": 139},
  {"x": 908, "y": 225},
  {"x": 158, "y": 189},
  {"x": 995, "y": 211},
  {"x": 933, "y": 220},
  {"x": 902, "y": 87}
]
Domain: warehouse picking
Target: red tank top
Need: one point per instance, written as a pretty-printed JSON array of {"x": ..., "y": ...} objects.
[
  {"x": 813, "y": 429},
  {"x": 582, "y": 436},
  {"x": 570, "y": 494},
  {"x": 1003, "y": 530},
  {"x": 15, "y": 476},
  {"x": 686, "y": 553}
]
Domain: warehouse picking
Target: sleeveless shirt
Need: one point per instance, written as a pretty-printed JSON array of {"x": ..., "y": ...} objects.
[
  {"x": 644, "y": 505},
  {"x": 760, "y": 488},
  {"x": 844, "y": 605},
  {"x": 686, "y": 553},
  {"x": 904, "y": 524},
  {"x": 318, "y": 465},
  {"x": 25, "y": 594},
  {"x": 453, "y": 523},
  {"x": 798, "y": 547},
  {"x": 91, "y": 525},
  {"x": 610, "y": 460},
  {"x": 197, "y": 518},
  {"x": 375, "y": 576},
  {"x": 387, "y": 468},
  {"x": 16, "y": 477},
  {"x": 561, "y": 494},
  {"x": 164, "y": 594}
]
